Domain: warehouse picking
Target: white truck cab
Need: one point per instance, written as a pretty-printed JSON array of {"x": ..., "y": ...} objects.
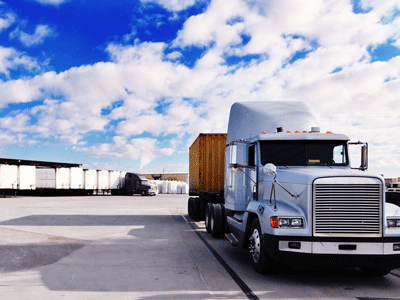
[{"x": 291, "y": 195}]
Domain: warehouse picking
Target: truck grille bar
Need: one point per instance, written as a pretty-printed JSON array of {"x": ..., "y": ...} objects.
[{"x": 347, "y": 210}]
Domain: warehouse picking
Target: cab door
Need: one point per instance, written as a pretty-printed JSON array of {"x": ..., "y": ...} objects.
[{"x": 251, "y": 172}]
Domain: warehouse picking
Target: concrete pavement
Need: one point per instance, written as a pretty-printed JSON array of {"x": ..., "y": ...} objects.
[{"x": 106, "y": 247}]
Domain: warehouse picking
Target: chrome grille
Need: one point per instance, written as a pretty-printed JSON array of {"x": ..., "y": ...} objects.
[{"x": 347, "y": 210}]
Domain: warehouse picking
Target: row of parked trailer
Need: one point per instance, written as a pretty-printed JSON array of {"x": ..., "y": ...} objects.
[{"x": 36, "y": 179}]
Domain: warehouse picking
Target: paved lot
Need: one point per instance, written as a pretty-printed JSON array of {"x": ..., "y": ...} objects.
[
  {"x": 105, "y": 247},
  {"x": 133, "y": 247}
]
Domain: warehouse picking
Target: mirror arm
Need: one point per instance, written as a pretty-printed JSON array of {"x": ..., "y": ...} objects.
[
  {"x": 270, "y": 169},
  {"x": 239, "y": 166},
  {"x": 277, "y": 182}
]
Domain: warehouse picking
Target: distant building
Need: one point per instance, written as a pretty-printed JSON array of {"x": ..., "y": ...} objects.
[{"x": 184, "y": 177}]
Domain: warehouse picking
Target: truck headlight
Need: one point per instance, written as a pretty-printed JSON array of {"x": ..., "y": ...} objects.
[
  {"x": 287, "y": 222},
  {"x": 283, "y": 222},
  {"x": 393, "y": 222},
  {"x": 296, "y": 222}
]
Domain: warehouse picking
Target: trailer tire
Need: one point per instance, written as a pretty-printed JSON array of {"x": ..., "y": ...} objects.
[
  {"x": 217, "y": 221},
  {"x": 209, "y": 210},
  {"x": 259, "y": 256}
]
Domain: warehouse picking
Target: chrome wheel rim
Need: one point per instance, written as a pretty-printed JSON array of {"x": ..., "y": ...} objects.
[{"x": 255, "y": 245}]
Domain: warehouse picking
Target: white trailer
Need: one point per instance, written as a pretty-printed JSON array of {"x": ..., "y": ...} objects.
[
  {"x": 114, "y": 178},
  {"x": 103, "y": 180},
  {"x": 90, "y": 180},
  {"x": 45, "y": 178},
  {"x": 62, "y": 178},
  {"x": 76, "y": 178},
  {"x": 122, "y": 179},
  {"x": 8, "y": 177},
  {"x": 26, "y": 177}
]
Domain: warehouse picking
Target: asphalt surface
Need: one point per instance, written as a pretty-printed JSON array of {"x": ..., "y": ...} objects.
[{"x": 133, "y": 247}]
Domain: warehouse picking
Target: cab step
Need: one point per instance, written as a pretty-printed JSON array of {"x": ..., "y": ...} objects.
[{"x": 234, "y": 241}]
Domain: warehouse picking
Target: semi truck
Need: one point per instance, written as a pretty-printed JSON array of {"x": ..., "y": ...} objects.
[
  {"x": 134, "y": 183},
  {"x": 279, "y": 187}
]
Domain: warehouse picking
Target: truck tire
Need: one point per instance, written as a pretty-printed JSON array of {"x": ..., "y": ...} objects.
[
  {"x": 259, "y": 256},
  {"x": 143, "y": 193},
  {"x": 375, "y": 272},
  {"x": 217, "y": 225},
  {"x": 202, "y": 209},
  {"x": 190, "y": 207},
  {"x": 209, "y": 210},
  {"x": 196, "y": 209}
]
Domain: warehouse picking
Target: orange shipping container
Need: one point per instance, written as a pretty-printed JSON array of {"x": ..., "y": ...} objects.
[{"x": 207, "y": 164}]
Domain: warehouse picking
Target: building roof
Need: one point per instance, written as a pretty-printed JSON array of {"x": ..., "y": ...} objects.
[{"x": 22, "y": 162}]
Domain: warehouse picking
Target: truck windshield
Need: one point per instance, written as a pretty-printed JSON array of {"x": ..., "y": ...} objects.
[{"x": 304, "y": 153}]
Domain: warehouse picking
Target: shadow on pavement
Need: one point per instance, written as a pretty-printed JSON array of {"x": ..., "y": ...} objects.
[
  {"x": 78, "y": 220},
  {"x": 24, "y": 257}
]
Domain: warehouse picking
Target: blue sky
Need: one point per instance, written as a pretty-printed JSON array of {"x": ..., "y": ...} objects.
[{"x": 128, "y": 85}]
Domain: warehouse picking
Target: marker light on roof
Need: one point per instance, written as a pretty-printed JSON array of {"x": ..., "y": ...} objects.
[
  {"x": 305, "y": 131},
  {"x": 288, "y": 131},
  {"x": 263, "y": 132},
  {"x": 297, "y": 131},
  {"x": 329, "y": 132}
]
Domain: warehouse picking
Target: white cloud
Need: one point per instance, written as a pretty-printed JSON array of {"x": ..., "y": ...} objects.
[
  {"x": 173, "y": 5},
  {"x": 143, "y": 149},
  {"x": 11, "y": 59},
  {"x": 174, "y": 55},
  {"x": 12, "y": 139},
  {"x": 6, "y": 20},
  {"x": 51, "y": 2},
  {"x": 161, "y": 98},
  {"x": 38, "y": 37}
]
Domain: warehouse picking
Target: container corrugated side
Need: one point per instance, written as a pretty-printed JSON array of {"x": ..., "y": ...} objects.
[{"x": 207, "y": 163}]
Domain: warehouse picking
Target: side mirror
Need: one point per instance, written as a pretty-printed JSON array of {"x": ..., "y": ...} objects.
[
  {"x": 269, "y": 169},
  {"x": 364, "y": 157},
  {"x": 236, "y": 169}
]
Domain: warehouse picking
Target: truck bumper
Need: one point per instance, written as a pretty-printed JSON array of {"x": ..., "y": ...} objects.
[{"x": 346, "y": 252}]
